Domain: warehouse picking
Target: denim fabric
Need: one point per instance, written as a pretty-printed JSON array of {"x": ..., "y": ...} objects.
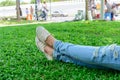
[{"x": 103, "y": 57}]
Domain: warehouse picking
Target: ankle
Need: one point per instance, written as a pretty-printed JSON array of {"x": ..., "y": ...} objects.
[
  {"x": 50, "y": 41},
  {"x": 48, "y": 50}
]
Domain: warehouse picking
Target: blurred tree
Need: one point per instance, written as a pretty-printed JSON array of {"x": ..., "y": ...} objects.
[
  {"x": 86, "y": 9},
  {"x": 7, "y": 3},
  {"x": 32, "y": 1},
  {"x": 18, "y": 9}
]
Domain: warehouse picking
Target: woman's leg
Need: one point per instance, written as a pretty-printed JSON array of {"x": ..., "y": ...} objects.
[
  {"x": 102, "y": 56},
  {"x": 106, "y": 56},
  {"x": 50, "y": 53},
  {"x": 61, "y": 57},
  {"x": 42, "y": 47}
]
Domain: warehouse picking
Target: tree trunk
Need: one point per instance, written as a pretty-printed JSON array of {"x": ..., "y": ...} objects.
[
  {"x": 18, "y": 9},
  {"x": 102, "y": 10},
  {"x": 86, "y": 9}
]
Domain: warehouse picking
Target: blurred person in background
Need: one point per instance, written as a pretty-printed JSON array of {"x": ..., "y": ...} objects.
[
  {"x": 44, "y": 10},
  {"x": 27, "y": 14},
  {"x": 110, "y": 7},
  {"x": 31, "y": 12}
]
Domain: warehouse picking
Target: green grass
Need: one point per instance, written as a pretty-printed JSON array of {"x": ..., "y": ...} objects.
[
  {"x": 21, "y": 60},
  {"x": 10, "y": 22}
]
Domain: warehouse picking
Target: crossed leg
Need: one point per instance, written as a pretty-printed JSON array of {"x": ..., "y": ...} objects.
[
  {"x": 49, "y": 47},
  {"x": 103, "y": 57},
  {"x": 44, "y": 41}
]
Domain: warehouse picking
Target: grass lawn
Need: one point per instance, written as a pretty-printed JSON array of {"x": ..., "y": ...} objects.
[
  {"x": 10, "y": 22},
  {"x": 21, "y": 60}
]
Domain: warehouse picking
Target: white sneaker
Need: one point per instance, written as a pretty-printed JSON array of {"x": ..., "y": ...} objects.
[
  {"x": 42, "y": 34},
  {"x": 41, "y": 47}
]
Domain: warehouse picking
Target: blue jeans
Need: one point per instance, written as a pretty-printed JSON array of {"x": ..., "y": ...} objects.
[{"x": 103, "y": 57}]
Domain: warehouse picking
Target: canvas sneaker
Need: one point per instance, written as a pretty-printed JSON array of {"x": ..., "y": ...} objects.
[
  {"x": 41, "y": 47},
  {"x": 42, "y": 34}
]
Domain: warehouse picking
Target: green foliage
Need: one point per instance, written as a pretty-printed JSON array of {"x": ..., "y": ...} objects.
[
  {"x": 57, "y": 0},
  {"x": 7, "y": 3},
  {"x": 32, "y": 1},
  {"x": 14, "y": 21},
  {"x": 21, "y": 60}
]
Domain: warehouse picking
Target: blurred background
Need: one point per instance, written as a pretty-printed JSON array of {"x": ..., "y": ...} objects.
[{"x": 57, "y": 10}]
